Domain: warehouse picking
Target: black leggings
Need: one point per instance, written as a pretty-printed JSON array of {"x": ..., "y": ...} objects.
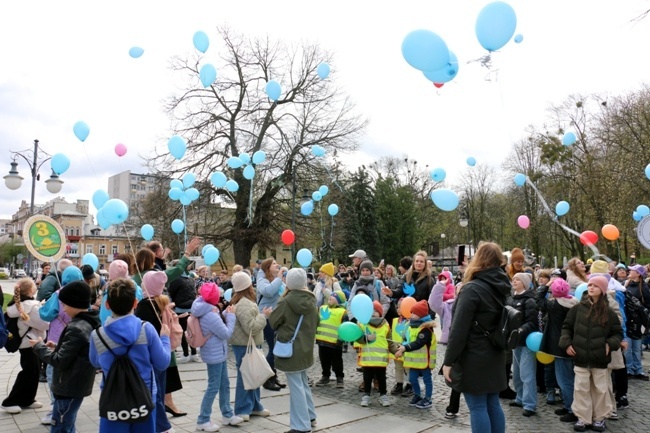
[
  {"x": 187, "y": 349},
  {"x": 23, "y": 392},
  {"x": 370, "y": 373},
  {"x": 331, "y": 358}
]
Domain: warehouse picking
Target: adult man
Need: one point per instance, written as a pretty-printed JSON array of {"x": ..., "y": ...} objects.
[
  {"x": 52, "y": 282},
  {"x": 160, "y": 253},
  {"x": 357, "y": 257}
]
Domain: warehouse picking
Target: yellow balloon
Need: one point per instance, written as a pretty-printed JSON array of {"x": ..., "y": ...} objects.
[{"x": 544, "y": 358}]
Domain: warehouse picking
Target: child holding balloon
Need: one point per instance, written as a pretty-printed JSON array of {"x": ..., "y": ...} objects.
[{"x": 398, "y": 329}]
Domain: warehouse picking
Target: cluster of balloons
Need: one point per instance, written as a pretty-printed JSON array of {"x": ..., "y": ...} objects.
[
  {"x": 109, "y": 210},
  {"x": 323, "y": 70},
  {"x": 438, "y": 174},
  {"x": 304, "y": 257},
  {"x": 219, "y": 180},
  {"x": 59, "y": 163},
  {"x": 244, "y": 160},
  {"x": 136, "y": 52},
  {"x": 445, "y": 199},
  {"x": 426, "y": 51},
  {"x": 177, "y": 146},
  {"x": 308, "y": 207},
  {"x": 641, "y": 212},
  {"x": 562, "y": 208},
  {"x": 534, "y": 343},
  {"x": 81, "y": 130},
  {"x": 210, "y": 254},
  {"x": 495, "y": 25},
  {"x": 569, "y": 138},
  {"x": 183, "y": 190}
]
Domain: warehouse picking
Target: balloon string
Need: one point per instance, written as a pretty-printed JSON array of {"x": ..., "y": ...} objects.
[
  {"x": 184, "y": 227},
  {"x": 332, "y": 177},
  {"x": 250, "y": 205}
]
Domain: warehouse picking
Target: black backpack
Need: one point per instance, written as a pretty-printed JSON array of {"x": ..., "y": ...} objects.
[
  {"x": 506, "y": 334},
  {"x": 125, "y": 396},
  {"x": 13, "y": 334},
  {"x": 636, "y": 316}
]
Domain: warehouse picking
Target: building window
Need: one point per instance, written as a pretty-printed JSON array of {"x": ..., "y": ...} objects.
[
  {"x": 67, "y": 232},
  {"x": 77, "y": 232},
  {"x": 102, "y": 250},
  {"x": 114, "y": 249},
  {"x": 89, "y": 249}
]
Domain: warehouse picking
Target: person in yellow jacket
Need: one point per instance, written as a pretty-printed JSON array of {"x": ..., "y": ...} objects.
[
  {"x": 398, "y": 330},
  {"x": 420, "y": 354},
  {"x": 373, "y": 357},
  {"x": 330, "y": 348}
]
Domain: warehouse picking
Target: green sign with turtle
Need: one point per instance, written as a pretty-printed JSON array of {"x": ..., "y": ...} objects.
[{"x": 44, "y": 238}]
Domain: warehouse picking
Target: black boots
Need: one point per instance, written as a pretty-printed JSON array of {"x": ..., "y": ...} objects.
[{"x": 273, "y": 384}]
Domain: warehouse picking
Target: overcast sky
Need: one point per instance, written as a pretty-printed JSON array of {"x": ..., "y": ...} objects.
[{"x": 67, "y": 61}]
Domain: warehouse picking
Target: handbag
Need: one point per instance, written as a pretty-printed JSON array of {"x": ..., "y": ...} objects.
[
  {"x": 254, "y": 368},
  {"x": 285, "y": 350}
]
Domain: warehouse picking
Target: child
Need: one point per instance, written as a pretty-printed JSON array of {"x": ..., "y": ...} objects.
[
  {"x": 214, "y": 353},
  {"x": 590, "y": 332},
  {"x": 73, "y": 375},
  {"x": 329, "y": 346},
  {"x": 125, "y": 332},
  {"x": 373, "y": 358},
  {"x": 398, "y": 329},
  {"x": 420, "y": 353}
]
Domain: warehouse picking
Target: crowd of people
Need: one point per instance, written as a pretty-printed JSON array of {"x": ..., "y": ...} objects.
[{"x": 76, "y": 324}]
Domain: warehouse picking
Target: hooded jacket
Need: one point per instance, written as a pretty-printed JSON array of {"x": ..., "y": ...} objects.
[
  {"x": 38, "y": 325},
  {"x": 50, "y": 284},
  {"x": 268, "y": 292},
  {"x": 450, "y": 289},
  {"x": 482, "y": 363},
  {"x": 284, "y": 319},
  {"x": 525, "y": 302},
  {"x": 215, "y": 350},
  {"x": 442, "y": 308},
  {"x": 556, "y": 310}
]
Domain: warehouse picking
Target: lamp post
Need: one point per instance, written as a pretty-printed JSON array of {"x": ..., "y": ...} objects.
[
  {"x": 13, "y": 180},
  {"x": 464, "y": 222},
  {"x": 442, "y": 242},
  {"x": 305, "y": 198}
]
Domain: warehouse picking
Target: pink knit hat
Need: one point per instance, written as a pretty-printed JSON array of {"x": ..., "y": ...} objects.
[
  {"x": 118, "y": 269},
  {"x": 560, "y": 288},
  {"x": 153, "y": 283},
  {"x": 600, "y": 282},
  {"x": 210, "y": 293}
]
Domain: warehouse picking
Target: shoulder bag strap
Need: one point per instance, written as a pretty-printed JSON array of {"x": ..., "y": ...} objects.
[
  {"x": 502, "y": 305},
  {"x": 297, "y": 329}
]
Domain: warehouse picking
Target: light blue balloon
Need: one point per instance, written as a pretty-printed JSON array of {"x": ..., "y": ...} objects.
[
  {"x": 227, "y": 295},
  {"x": 569, "y": 138},
  {"x": 636, "y": 216},
  {"x": 318, "y": 150},
  {"x": 445, "y": 199},
  {"x": 562, "y": 208},
  {"x": 201, "y": 41},
  {"x": 643, "y": 210},
  {"x": 316, "y": 196},
  {"x": 520, "y": 179},
  {"x": 147, "y": 232},
  {"x": 185, "y": 200},
  {"x": 81, "y": 130},
  {"x": 208, "y": 75},
  {"x": 101, "y": 219},
  {"x": 249, "y": 172},
  {"x": 176, "y": 183},
  {"x": 495, "y": 25},
  {"x": 425, "y": 50},
  {"x": 471, "y": 161},
  {"x": 307, "y": 208},
  {"x": 189, "y": 179},
  {"x": 647, "y": 171},
  {"x": 534, "y": 341},
  {"x": 205, "y": 248},
  {"x": 177, "y": 146},
  {"x": 446, "y": 73},
  {"x": 232, "y": 186},
  {"x": 323, "y": 190},
  {"x": 518, "y": 38},
  {"x": 192, "y": 194},
  {"x": 90, "y": 259},
  {"x": 273, "y": 90},
  {"x": 178, "y": 226},
  {"x": 136, "y": 52},
  {"x": 580, "y": 290},
  {"x": 332, "y": 209},
  {"x": 235, "y": 162},
  {"x": 361, "y": 307},
  {"x": 175, "y": 193},
  {"x": 59, "y": 163},
  {"x": 100, "y": 197},
  {"x": 323, "y": 70},
  {"x": 438, "y": 174},
  {"x": 245, "y": 157},
  {"x": 211, "y": 256},
  {"x": 304, "y": 257},
  {"x": 259, "y": 157},
  {"x": 218, "y": 179},
  {"x": 115, "y": 211}
]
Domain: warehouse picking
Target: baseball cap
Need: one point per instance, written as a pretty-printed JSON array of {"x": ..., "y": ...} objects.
[
  {"x": 639, "y": 268},
  {"x": 360, "y": 254}
]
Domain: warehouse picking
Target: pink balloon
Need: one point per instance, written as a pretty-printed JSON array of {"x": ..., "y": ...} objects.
[
  {"x": 120, "y": 149},
  {"x": 523, "y": 221}
]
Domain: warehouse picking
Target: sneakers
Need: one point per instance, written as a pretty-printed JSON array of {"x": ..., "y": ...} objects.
[
  {"x": 599, "y": 426},
  {"x": 383, "y": 400},
  {"x": 339, "y": 382},
  {"x": 424, "y": 403},
  {"x": 183, "y": 360},
  {"x": 515, "y": 404},
  {"x": 47, "y": 419},
  {"x": 263, "y": 413},
  {"x": 397, "y": 389},
  {"x": 450, "y": 415},
  {"x": 207, "y": 426},
  {"x": 324, "y": 381},
  {"x": 622, "y": 403},
  {"x": 415, "y": 400},
  {"x": 613, "y": 416},
  {"x": 365, "y": 401},
  {"x": 245, "y": 417},
  {"x": 195, "y": 358},
  {"x": 642, "y": 377},
  {"x": 233, "y": 420},
  {"x": 313, "y": 422},
  {"x": 408, "y": 390},
  {"x": 569, "y": 417},
  {"x": 11, "y": 409},
  {"x": 550, "y": 397},
  {"x": 35, "y": 405},
  {"x": 528, "y": 413},
  {"x": 579, "y": 426}
]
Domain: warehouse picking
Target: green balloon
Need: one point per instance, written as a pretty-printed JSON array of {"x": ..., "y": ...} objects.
[{"x": 349, "y": 332}]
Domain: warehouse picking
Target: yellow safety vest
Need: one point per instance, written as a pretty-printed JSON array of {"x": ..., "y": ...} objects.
[
  {"x": 421, "y": 358},
  {"x": 328, "y": 329},
  {"x": 396, "y": 335},
  {"x": 375, "y": 353}
]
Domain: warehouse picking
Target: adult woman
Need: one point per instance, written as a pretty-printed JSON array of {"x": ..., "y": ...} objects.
[
  {"x": 485, "y": 288},
  {"x": 203, "y": 273},
  {"x": 391, "y": 278},
  {"x": 326, "y": 284},
  {"x": 249, "y": 322},
  {"x": 417, "y": 281},
  {"x": 576, "y": 273},
  {"x": 45, "y": 269},
  {"x": 297, "y": 309},
  {"x": 637, "y": 287},
  {"x": 516, "y": 263}
]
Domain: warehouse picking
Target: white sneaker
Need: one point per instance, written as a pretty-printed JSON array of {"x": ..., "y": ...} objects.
[
  {"x": 365, "y": 401},
  {"x": 263, "y": 413},
  {"x": 207, "y": 426},
  {"x": 195, "y": 358},
  {"x": 384, "y": 401},
  {"x": 35, "y": 405},
  {"x": 245, "y": 417},
  {"x": 233, "y": 420},
  {"x": 47, "y": 419},
  {"x": 11, "y": 409},
  {"x": 183, "y": 360}
]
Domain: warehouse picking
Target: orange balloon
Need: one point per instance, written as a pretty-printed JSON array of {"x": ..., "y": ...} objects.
[
  {"x": 544, "y": 358},
  {"x": 610, "y": 232},
  {"x": 405, "y": 306}
]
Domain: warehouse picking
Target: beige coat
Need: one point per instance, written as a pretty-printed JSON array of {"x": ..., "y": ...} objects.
[
  {"x": 249, "y": 319},
  {"x": 38, "y": 325}
]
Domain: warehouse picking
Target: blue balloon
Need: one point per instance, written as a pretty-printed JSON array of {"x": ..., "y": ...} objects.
[
  {"x": 580, "y": 290},
  {"x": 147, "y": 232},
  {"x": 90, "y": 259},
  {"x": 59, "y": 163},
  {"x": 647, "y": 171},
  {"x": 81, "y": 130},
  {"x": 643, "y": 210},
  {"x": 636, "y": 216},
  {"x": 185, "y": 200},
  {"x": 425, "y": 50},
  {"x": 177, "y": 146},
  {"x": 218, "y": 179},
  {"x": 176, "y": 183},
  {"x": 534, "y": 341},
  {"x": 446, "y": 73},
  {"x": 192, "y": 193},
  {"x": 438, "y": 174},
  {"x": 361, "y": 307},
  {"x": 259, "y": 157},
  {"x": 333, "y": 209},
  {"x": 136, "y": 52},
  {"x": 569, "y": 138},
  {"x": 304, "y": 257},
  {"x": 227, "y": 295},
  {"x": 189, "y": 179},
  {"x": 235, "y": 162},
  {"x": 518, "y": 38},
  {"x": 178, "y": 226},
  {"x": 520, "y": 179},
  {"x": 211, "y": 256},
  {"x": 471, "y": 161},
  {"x": 201, "y": 41},
  {"x": 317, "y": 150},
  {"x": 208, "y": 75},
  {"x": 495, "y": 25},
  {"x": 316, "y": 196},
  {"x": 115, "y": 211},
  {"x": 101, "y": 219},
  {"x": 205, "y": 248},
  {"x": 323, "y": 70},
  {"x": 245, "y": 157},
  {"x": 562, "y": 207},
  {"x": 100, "y": 197},
  {"x": 307, "y": 208},
  {"x": 323, "y": 190},
  {"x": 232, "y": 186},
  {"x": 249, "y": 172},
  {"x": 445, "y": 199},
  {"x": 175, "y": 193},
  {"x": 273, "y": 90}
]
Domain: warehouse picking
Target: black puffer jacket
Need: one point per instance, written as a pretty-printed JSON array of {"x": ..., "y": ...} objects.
[
  {"x": 556, "y": 311},
  {"x": 525, "y": 302},
  {"x": 642, "y": 293},
  {"x": 182, "y": 292},
  {"x": 588, "y": 337},
  {"x": 482, "y": 363}
]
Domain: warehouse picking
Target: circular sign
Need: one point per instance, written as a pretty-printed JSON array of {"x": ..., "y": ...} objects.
[
  {"x": 643, "y": 231},
  {"x": 19, "y": 256},
  {"x": 44, "y": 238}
]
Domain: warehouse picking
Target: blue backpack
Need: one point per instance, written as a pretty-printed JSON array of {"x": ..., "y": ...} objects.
[{"x": 4, "y": 332}]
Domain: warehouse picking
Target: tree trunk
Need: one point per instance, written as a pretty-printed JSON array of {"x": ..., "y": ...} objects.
[{"x": 242, "y": 249}]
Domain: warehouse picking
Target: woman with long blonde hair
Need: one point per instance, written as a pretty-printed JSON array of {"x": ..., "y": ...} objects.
[
  {"x": 416, "y": 282},
  {"x": 576, "y": 273}
]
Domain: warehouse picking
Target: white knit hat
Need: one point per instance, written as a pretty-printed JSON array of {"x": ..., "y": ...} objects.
[{"x": 296, "y": 279}]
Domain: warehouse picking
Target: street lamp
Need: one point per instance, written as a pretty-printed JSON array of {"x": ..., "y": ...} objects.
[
  {"x": 442, "y": 242},
  {"x": 464, "y": 222},
  {"x": 305, "y": 198}
]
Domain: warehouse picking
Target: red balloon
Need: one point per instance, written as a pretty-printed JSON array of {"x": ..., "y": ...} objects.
[
  {"x": 588, "y": 237},
  {"x": 288, "y": 237},
  {"x": 438, "y": 85}
]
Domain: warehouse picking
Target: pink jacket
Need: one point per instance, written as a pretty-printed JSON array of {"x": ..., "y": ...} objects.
[{"x": 450, "y": 289}]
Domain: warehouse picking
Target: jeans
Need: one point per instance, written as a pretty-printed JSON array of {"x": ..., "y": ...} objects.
[
  {"x": 246, "y": 401},
  {"x": 523, "y": 377},
  {"x": 269, "y": 337},
  {"x": 64, "y": 414},
  {"x": 301, "y": 404},
  {"x": 162, "y": 423},
  {"x": 218, "y": 383},
  {"x": 49, "y": 371},
  {"x": 414, "y": 374},
  {"x": 485, "y": 413},
  {"x": 565, "y": 380},
  {"x": 633, "y": 357}
]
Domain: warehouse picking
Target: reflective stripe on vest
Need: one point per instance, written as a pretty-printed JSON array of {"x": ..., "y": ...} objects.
[
  {"x": 328, "y": 329},
  {"x": 375, "y": 354},
  {"x": 421, "y": 358},
  {"x": 395, "y": 335}
]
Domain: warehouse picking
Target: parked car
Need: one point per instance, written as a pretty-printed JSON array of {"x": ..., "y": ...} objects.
[
  {"x": 4, "y": 273},
  {"x": 19, "y": 273}
]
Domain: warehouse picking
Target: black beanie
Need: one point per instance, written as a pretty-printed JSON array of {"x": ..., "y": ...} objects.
[
  {"x": 366, "y": 264},
  {"x": 75, "y": 294},
  {"x": 87, "y": 271}
]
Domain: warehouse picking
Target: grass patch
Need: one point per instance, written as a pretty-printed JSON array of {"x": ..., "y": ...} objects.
[{"x": 7, "y": 298}]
